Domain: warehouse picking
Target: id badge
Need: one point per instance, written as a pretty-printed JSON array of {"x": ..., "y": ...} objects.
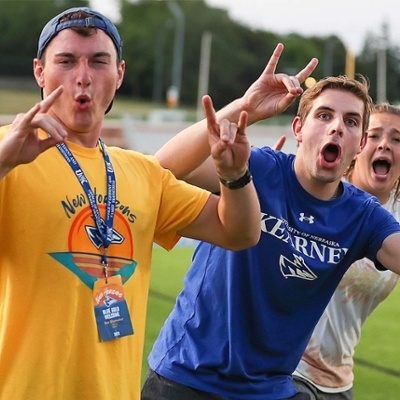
[{"x": 110, "y": 308}]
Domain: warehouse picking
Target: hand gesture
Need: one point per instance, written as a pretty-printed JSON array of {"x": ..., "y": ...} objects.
[
  {"x": 229, "y": 146},
  {"x": 21, "y": 144},
  {"x": 272, "y": 93}
]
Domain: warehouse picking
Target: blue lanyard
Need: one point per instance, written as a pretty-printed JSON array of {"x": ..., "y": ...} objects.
[{"x": 105, "y": 229}]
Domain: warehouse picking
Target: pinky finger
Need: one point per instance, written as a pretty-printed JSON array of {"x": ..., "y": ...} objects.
[
  {"x": 47, "y": 143},
  {"x": 243, "y": 118},
  {"x": 280, "y": 142}
]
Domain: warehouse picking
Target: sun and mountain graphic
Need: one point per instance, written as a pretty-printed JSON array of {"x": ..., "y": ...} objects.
[{"x": 85, "y": 248}]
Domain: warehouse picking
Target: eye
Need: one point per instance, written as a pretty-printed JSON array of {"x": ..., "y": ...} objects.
[
  {"x": 351, "y": 122},
  {"x": 100, "y": 60},
  {"x": 323, "y": 116},
  {"x": 65, "y": 60}
]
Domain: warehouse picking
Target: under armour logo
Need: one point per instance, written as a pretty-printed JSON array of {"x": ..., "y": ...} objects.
[{"x": 310, "y": 219}]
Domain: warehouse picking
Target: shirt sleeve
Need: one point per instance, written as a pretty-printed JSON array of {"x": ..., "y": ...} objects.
[
  {"x": 180, "y": 205},
  {"x": 383, "y": 224}
]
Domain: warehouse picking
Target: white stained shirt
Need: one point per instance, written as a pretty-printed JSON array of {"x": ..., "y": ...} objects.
[{"x": 328, "y": 360}]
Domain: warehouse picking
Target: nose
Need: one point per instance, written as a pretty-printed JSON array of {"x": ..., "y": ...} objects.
[
  {"x": 384, "y": 144},
  {"x": 337, "y": 127},
  {"x": 83, "y": 77}
]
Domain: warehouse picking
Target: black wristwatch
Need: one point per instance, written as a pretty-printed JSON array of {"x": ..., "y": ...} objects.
[{"x": 239, "y": 183}]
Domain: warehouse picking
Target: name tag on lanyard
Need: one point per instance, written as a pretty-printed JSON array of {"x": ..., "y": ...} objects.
[{"x": 111, "y": 310}]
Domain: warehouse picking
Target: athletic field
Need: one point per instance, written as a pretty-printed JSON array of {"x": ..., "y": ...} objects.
[{"x": 377, "y": 370}]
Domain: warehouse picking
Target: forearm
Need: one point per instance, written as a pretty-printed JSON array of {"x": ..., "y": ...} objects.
[
  {"x": 389, "y": 253},
  {"x": 186, "y": 151},
  {"x": 231, "y": 221},
  {"x": 205, "y": 176},
  {"x": 239, "y": 214}
]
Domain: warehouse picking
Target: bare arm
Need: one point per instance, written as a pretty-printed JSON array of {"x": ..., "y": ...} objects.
[
  {"x": 21, "y": 143},
  {"x": 389, "y": 254},
  {"x": 231, "y": 220},
  {"x": 269, "y": 95}
]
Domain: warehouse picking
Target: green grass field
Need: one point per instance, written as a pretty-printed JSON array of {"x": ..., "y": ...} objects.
[
  {"x": 16, "y": 101},
  {"x": 377, "y": 369},
  {"x": 167, "y": 274}
]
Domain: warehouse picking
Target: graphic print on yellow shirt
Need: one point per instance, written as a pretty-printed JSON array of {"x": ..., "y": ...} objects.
[
  {"x": 51, "y": 256},
  {"x": 84, "y": 235}
]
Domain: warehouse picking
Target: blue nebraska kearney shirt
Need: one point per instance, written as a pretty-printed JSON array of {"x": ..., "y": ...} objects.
[{"x": 244, "y": 318}]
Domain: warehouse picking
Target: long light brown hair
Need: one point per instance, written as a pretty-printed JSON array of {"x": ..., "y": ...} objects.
[{"x": 382, "y": 108}]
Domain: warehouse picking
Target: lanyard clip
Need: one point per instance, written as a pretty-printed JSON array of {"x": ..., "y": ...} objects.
[{"x": 104, "y": 261}]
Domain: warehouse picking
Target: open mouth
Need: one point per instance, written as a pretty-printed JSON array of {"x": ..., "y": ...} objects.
[
  {"x": 381, "y": 167},
  {"x": 82, "y": 99},
  {"x": 330, "y": 153}
]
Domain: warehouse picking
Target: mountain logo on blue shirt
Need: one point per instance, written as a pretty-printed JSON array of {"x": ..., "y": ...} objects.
[{"x": 296, "y": 268}]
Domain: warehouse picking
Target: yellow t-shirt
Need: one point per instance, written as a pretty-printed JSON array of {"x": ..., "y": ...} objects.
[{"x": 50, "y": 257}]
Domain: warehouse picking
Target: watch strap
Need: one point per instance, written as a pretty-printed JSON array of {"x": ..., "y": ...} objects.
[{"x": 238, "y": 183}]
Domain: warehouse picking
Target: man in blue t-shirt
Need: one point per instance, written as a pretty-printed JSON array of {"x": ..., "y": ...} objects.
[{"x": 244, "y": 318}]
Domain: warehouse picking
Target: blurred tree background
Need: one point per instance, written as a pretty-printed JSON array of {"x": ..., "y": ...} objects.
[
  {"x": 20, "y": 25},
  {"x": 238, "y": 53}
]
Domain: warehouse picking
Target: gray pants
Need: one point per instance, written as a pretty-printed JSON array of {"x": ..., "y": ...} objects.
[
  {"x": 157, "y": 387},
  {"x": 316, "y": 394}
]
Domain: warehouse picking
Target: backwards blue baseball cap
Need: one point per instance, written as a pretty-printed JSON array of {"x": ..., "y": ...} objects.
[{"x": 54, "y": 26}]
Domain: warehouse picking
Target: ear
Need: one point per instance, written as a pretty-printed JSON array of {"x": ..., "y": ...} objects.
[
  {"x": 121, "y": 73},
  {"x": 38, "y": 71},
  {"x": 296, "y": 129},
  {"x": 363, "y": 142}
]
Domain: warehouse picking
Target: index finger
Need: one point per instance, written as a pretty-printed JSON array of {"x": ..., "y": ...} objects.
[
  {"x": 307, "y": 71},
  {"x": 274, "y": 59},
  {"x": 209, "y": 110},
  {"x": 48, "y": 101}
]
